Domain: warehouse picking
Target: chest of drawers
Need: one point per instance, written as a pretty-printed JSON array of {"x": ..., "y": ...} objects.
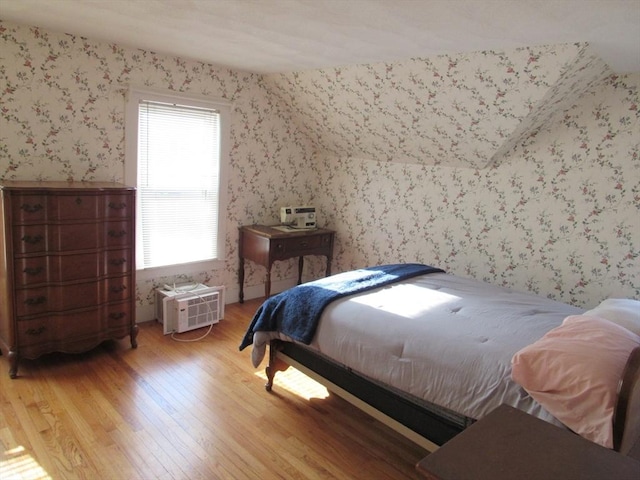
[{"x": 67, "y": 269}]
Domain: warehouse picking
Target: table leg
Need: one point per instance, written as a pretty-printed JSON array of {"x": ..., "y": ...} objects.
[
  {"x": 300, "y": 267},
  {"x": 267, "y": 285},
  {"x": 241, "y": 280}
]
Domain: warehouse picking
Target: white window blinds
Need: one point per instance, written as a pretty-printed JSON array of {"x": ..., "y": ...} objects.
[{"x": 178, "y": 183}]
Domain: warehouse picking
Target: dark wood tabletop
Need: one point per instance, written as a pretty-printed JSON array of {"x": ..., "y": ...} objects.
[{"x": 510, "y": 444}]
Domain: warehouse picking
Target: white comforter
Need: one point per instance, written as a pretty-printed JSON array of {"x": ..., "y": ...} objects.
[{"x": 446, "y": 339}]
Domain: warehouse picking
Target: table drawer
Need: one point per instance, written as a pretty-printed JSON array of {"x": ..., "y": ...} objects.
[{"x": 300, "y": 245}]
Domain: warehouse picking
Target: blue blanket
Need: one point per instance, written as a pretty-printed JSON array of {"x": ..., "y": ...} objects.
[{"x": 295, "y": 312}]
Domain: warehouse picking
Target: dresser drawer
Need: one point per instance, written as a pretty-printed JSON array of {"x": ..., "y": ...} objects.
[
  {"x": 26, "y": 208},
  {"x": 66, "y": 331},
  {"x": 118, "y": 234},
  {"x": 287, "y": 247},
  {"x": 56, "y": 238},
  {"x": 80, "y": 206},
  {"x": 117, "y": 288},
  {"x": 70, "y": 237},
  {"x": 53, "y": 331},
  {"x": 119, "y": 316},
  {"x": 57, "y": 268},
  {"x": 118, "y": 261},
  {"x": 72, "y": 332},
  {"x": 118, "y": 206},
  {"x": 33, "y": 208},
  {"x": 57, "y": 298}
]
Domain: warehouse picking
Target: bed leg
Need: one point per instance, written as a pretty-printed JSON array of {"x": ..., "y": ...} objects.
[
  {"x": 270, "y": 375},
  {"x": 275, "y": 365}
]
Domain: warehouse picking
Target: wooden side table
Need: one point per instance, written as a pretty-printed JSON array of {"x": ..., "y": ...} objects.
[
  {"x": 509, "y": 443},
  {"x": 264, "y": 245}
]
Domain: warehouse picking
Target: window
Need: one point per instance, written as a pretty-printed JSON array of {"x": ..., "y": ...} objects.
[{"x": 178, "y": 146}]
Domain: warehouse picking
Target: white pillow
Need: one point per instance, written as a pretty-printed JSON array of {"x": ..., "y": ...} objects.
[{"x": 622, "y": 311}]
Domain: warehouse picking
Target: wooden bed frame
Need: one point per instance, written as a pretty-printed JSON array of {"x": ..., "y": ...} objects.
[{"x": 427, "y": 425}]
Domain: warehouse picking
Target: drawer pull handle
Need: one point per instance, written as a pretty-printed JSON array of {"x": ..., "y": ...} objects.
[
  {"x": 35, "y": 331},
  {"x": 117, "y": 316},
  {"x": 78, "y": 200},
  {"x": 117, "y": 206},
  {"x": 115, "y": 234},
  {"x": 35, "y": 301},
  {"x": 31, "y": 208},
  {"x": 33, "y": 271},
  {"x": 117, "y": 261},
  {"x": 304, "y": 244},
  {"x": 118, "y": 289},
  {"x": 32, "y": 240}
]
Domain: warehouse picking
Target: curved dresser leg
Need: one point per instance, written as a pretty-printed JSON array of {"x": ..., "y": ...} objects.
[
  {"x": 13, "y": 363},
  {"x": 134, "y": 336}
]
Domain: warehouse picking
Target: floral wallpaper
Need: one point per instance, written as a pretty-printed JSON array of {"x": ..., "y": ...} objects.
[
  {"x": 455, "y": 110},
  {"x": 518, "y": 168},
  {"x": 399, "y": 158},
  {"x": 559, "y": 216},
  {"x": 62, "y": 118}
]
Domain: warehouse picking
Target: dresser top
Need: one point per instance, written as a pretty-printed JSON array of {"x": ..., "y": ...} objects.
[{"x": 59, "y": 185}]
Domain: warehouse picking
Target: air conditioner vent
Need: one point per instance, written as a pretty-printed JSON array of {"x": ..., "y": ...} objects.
[
  {"x": 181, "y": 310},
  {"x": 197, "y": 312}
]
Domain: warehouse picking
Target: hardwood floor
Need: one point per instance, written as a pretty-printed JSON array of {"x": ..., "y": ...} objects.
[{"x": 170, "y": 410}]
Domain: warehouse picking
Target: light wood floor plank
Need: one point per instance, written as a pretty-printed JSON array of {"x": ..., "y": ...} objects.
[{"x": 172, "y": 411}]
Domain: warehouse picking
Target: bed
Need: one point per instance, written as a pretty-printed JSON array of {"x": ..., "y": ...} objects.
[{"x": 429, "y": 352}]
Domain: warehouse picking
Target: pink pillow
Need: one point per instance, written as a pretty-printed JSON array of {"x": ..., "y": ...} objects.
[{"x": 573, "y": 371}]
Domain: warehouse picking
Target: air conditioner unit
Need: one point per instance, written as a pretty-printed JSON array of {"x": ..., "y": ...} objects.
[{"x": 185, "y": 308}]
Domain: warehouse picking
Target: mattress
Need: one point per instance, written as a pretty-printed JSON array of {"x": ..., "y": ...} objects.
[{"x": 445, "y": 339}]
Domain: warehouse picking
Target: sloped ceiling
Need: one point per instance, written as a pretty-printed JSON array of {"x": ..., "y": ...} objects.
[
  {"x": 445, "y": 107},
  {"x": 465, "y": 110}
]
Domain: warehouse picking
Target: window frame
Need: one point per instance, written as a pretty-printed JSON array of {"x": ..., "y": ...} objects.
[{"x": 134, "y": 96}]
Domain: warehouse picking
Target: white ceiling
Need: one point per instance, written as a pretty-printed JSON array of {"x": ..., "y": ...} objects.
[{"x": 268, "y": 36}]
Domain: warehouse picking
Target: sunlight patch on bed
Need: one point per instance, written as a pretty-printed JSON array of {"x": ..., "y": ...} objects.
[
  {"x": 17, "y": 464},
  {"x": 406, "y": 300},
  {"x": 297, "y": 383}
]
